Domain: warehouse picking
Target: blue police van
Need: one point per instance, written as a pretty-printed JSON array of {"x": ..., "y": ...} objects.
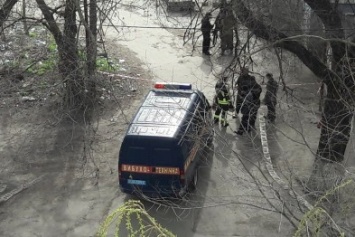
[{"x": 162, "y": 148}]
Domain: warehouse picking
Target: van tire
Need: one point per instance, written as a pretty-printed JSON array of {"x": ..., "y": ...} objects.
[{"x": 193, "y": 183}]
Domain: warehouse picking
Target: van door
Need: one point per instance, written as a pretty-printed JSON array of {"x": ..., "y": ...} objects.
[{"x": 150, "y": 165}]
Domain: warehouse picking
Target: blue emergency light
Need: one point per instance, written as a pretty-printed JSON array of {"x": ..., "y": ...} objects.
[{"x": 173, "y": 86}]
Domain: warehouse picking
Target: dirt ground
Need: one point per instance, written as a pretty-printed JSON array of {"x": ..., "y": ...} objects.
[{"x": 54, "y": 168}]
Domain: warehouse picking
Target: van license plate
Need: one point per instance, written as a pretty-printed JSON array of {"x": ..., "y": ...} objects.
[{"x": 136, "y": 182}]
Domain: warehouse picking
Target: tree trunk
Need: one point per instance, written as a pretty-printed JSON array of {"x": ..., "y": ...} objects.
[
  {"x": 69, "y": 60},
  {"x": 68, "y": 64},
  {"x": 339, "y": 102},
  {"x": 92, "y": 48},
  {"x": 335, "y": 135},
  {"x": 336, "y": 126},
  {"x": 89, "y": 19},
  {"x": 24, "y": 21},
  {"x": 5, "y": 10}
]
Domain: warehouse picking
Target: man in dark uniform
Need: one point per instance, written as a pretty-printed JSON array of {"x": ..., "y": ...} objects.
[
  {"x": 226, "y": 30},
  {"x": 249, "y": 107},
  {"x": 270, "y": 99},
  {"x": 244, "y": 80},
  {"x": 245, "y": 110},
  {"x": 219, "y": 26},
  {"x": 255, "y": 91},
  {"x": 222, "y": 101},
  {"x": 206, "y": 28},
  {"x": 225, "y": 25}
]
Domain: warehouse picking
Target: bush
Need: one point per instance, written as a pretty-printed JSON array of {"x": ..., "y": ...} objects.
[{"x": 126, "y": 214}]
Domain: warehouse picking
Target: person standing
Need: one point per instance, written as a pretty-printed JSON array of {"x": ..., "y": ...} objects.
[
  {"x": 244, "y": 81},
  {"x": 222, "y": 101},
  {"x": 245, "y": 109},
  {"x": 224, "y": 25},
  {"x": 218, "y": 25},
  {"x": 227, "y": 31},
  {"x": 256, "y": 92},
  {"x": 270, "y": 99},
  {"x": 206, "y": 28},
  {"x": 249, "y": 107}
]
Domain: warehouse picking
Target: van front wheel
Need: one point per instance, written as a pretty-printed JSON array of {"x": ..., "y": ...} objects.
[{"x": 193, "y": 182}]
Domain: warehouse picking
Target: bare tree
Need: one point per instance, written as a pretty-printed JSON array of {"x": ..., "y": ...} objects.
[
  {"x": 337, "y": 114},
  {"x": 79, "y": 92},
  {"x": 67, "y": 50},
  {"x": 5, "y": 10},
  {"x": 277, "y": 29}
]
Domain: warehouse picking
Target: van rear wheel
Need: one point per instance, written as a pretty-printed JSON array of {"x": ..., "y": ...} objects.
[{"x": 193, "y": 182}]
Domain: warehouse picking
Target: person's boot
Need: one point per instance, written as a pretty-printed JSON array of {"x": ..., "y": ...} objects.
[
  {"x": 235, "y": 115},
  {"x": 239, "y": 132},
  {"x": 225, "y": 124}
]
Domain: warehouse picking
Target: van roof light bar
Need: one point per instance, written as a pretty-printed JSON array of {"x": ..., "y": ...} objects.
[{"x": 172, "y": 86}]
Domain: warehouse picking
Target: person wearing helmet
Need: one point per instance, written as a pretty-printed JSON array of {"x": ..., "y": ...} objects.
[
  {"x": 206, "y": 28},
  {"x": 222, "y": 101}
]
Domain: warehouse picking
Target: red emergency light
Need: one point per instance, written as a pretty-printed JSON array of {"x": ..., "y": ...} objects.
[{"x": 173, "y": 86}]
